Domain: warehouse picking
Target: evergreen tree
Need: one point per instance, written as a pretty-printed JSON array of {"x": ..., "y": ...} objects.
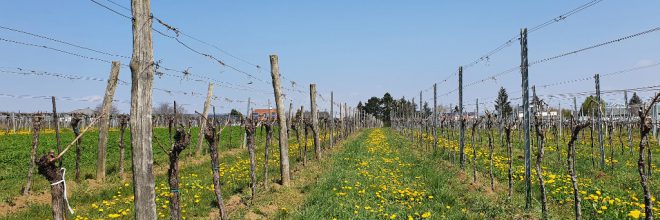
[{"x": 502, "y": 104}]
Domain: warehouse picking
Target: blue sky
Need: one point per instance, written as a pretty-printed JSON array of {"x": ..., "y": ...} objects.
[{"x": 357, "y": 49}]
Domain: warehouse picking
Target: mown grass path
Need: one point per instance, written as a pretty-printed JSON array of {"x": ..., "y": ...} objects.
[{"x": 383, "y": 177}]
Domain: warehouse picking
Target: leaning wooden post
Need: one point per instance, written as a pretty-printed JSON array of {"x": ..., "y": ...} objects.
[
  {"x": 285, "y": 176},
  {"x": 202, "y": 126},
  {"x": 104, "y": 122},
  {"x": 315, "y": 121},
  {"x": 525, "y": 91},
  {"x": 332, "y": 119},
  {"x": 57, "y": 128},
  {"x": 142, "y": 75}
]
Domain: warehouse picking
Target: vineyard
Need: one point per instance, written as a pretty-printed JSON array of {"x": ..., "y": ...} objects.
[{"x": 162, "y": 135}]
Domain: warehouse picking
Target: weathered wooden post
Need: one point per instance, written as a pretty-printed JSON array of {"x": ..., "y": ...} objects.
[
  {"x": 435, "y": 118},
  {"x": 142, "y": 74},
  {"x": 283, "y": 140},
  {"x": 247, "y": 114},
  {"x": 332, "y": 119},
  {"x": 57, "y": 128},
  {"x": 289, "y": 119},
  {"x": 268, "y": 124},
  {"x": 461, "y": 141},
  {"x": 202, "y": 125},
  {"x": 123, "y": 121},
  {"x": 525, "y": 94},
  {"x": 315, "y": 121},
  {"x": 104, "y": 122},
  {"x": 599, "y": 118}
]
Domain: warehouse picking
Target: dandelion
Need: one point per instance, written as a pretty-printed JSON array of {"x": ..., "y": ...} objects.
[
  {"x": 634, "y": 214},
  {"x": 426, "y": 215},
  {"x": 393, "y": 216}
]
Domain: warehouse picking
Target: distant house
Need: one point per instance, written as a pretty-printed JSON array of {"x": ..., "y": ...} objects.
[
  {"x": 262, "y": 114},
  {"x": 83, "y": 111},
  {"x": 552, "y": 113}
]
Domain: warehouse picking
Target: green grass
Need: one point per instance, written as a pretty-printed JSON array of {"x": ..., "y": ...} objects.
[
  {"x": 114, "y": 197},
  {"x": 384, "y": 177},
  {"x": 617, "y": 188}
]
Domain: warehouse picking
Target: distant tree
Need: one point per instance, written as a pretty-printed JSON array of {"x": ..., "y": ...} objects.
[
  {"x": 635, "y": 103},
  {"x": 566, "y": 113},
  {"x": 590, "y": 105},
  {"x": 167, "y": 108},
  {"x": 373, "y": 107},
  {"x": 387, "y": 105},
  {"x": 236, "y": 114},
  {"x": 426, "y": 110},
  {"x": 502, "y": 104},
  {"x": 635, "y": 100},
  {"x": 113, "y": 109},
  {"x": 360, "y": 106}
]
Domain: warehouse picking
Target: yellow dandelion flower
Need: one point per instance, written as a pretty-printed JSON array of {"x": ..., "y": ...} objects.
[
  {"x": 426, "y": 215},
  {"x": 635, "y": 214}
]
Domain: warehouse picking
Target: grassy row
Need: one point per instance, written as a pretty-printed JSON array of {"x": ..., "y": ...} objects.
[
  {"x": 382, "y": 176},
  {"x": 613, "y": 192},
  {"x": 113, "y": 199}
]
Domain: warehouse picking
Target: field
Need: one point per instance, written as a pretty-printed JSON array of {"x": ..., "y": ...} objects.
[{"x": 376, "y": 174}]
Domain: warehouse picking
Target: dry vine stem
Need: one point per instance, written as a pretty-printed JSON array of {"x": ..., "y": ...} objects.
[
  {"x": 570, "y": 159},
  {"x": 213, "y": 138},
  {"x": 645, "y": 128},
  {"x": 36, "y": 126},
  {"x": 48, "y": 169}
]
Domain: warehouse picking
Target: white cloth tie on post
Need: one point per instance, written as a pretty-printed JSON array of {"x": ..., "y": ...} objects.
[{"x": 66, "y": 198}]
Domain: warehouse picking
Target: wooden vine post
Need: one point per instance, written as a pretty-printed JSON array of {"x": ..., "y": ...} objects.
[
  {"x": 315, "y": 121},
  {"x": 104, "y": 122},
  {"x": 285, "y": 176},
  {"x": 435, "y": 119},
  {"x": 461, "y": 139},
  {"x": 475, "y": 124},
  {"x": 332, "y": 119},
  {"x": 525, "y": 125},
  {"x": 202, "y": 125},
  {"x": 56, "y": 122},
  {"x": 123, "y": 122},
  {"x": 142, "y": 76},
  {"x": 599, "y": 118}
]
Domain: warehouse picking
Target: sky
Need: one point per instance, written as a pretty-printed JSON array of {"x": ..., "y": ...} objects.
[{"x": 355, "y": 49}]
